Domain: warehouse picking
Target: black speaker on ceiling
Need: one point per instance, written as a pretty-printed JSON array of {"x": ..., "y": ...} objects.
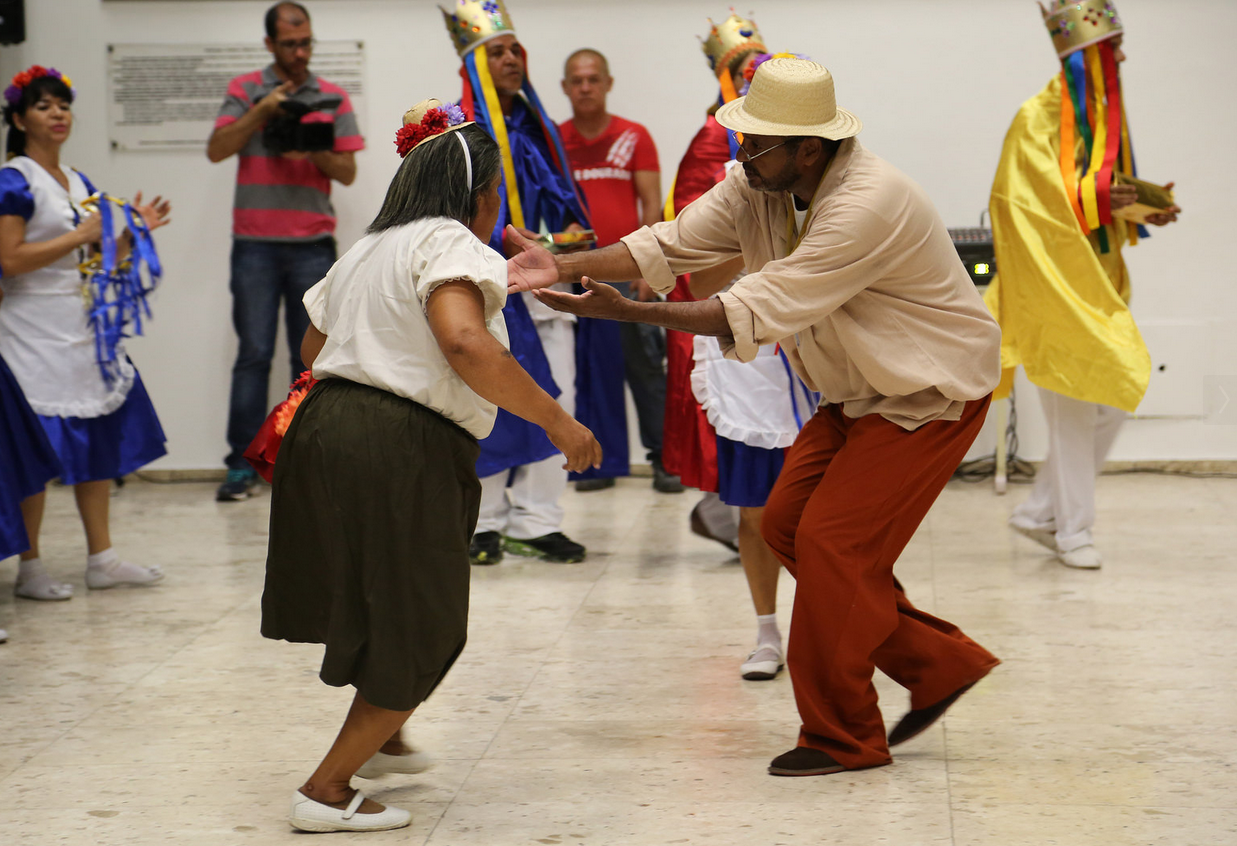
[{"x": 12, "y": 21}]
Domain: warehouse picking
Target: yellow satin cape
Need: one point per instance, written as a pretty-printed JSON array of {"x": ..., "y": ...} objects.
[{"x": 1062, "y": 305}]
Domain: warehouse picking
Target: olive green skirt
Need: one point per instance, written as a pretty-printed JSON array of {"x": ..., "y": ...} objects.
[{"x": 375, "y": 498}]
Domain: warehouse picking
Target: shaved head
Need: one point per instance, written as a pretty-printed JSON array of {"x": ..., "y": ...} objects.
[{"x": 591, "y": 53}]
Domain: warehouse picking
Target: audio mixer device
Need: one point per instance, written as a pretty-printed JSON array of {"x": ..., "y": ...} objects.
[{"x": 974, "y": 246}]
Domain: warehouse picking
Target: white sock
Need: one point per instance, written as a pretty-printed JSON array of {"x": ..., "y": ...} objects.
[
  {"x": 107, "y": 569},
  {"x": 26, "y": 569},
  {"x": 34, "y": 582},
  {"x": 767, "y": 632},
  {"x": 103, "y": 559}
]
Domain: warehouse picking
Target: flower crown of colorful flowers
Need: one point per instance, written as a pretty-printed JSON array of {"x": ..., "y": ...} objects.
[
  {"x": 433, "y": 122},
  {"x": 12, "y": 94}
]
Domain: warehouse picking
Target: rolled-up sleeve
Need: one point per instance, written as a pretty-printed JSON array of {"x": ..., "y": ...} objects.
[
  {"x": 703, "y": 235},
  {"x": 839, "y": 257}
]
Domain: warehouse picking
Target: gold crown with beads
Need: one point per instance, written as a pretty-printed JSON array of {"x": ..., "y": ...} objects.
[
  {"x": 473, "y": 22},
  {"x": 1077, "y": 24},
  {"x": 731, "y": 40}
]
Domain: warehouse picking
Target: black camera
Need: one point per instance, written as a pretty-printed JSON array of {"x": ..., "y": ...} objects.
[{"x": 285, "y": 133}]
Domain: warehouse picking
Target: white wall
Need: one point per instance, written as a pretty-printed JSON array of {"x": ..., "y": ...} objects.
[{"x": 935, "y": 81}]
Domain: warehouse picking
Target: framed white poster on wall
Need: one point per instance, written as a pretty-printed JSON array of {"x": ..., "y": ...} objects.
[{"x": 166, "y": 96}]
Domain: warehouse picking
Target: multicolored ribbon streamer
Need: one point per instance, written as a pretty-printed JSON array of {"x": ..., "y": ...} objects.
[
  {"x": 1092, "y": 108},
  {"x": 489, "y": 113},
  {"x": 480, "y": 103}
]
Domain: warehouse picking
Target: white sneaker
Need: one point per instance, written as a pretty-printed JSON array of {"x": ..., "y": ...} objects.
[
  {"x": 1046, "y": 538},
  {"x": 4, "y": 636},
  {"x": 310, "y": 815},
  {"x": 382, "y": 764},
  {"x": 763, "y": 664},
  {"x": 1083, "y": 558}
]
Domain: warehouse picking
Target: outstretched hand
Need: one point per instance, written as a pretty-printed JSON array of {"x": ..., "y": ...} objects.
[
  {"x": 577, "y": 444},
  {"x": 531, "y": 268},
  {"x": 155, "y": 213},
  {"x": 598, "y": 300}
]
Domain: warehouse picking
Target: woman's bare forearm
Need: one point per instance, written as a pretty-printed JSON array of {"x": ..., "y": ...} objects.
[
  {"x": 35, "y": 255},
  {"x": 489, "y": 369}
]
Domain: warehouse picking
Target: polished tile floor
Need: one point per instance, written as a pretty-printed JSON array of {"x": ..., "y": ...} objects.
[{"x": 600, "y": 703}]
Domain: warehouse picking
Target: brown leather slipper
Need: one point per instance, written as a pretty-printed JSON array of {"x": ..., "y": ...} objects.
[
  {"x": 918, "y": 721},
  {"x": 803, "y": 761}
]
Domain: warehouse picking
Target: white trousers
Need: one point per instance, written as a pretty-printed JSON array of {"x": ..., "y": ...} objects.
[
  {"x": 1080, "y": 434},
  {"x": 529, "y": 508}
]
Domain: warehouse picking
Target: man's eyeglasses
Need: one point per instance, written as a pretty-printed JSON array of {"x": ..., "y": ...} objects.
[
  {"x": 744, "y": 156},
  {"x": 290, "y": 45}
]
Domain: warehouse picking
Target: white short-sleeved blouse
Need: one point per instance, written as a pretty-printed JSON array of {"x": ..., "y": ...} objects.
[
  {"x": 45, "y": 334},
  {"x": 371, "y": 307}
]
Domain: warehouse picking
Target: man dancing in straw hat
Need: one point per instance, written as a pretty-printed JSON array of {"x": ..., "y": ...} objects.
[{"x": 851, "y": 270}]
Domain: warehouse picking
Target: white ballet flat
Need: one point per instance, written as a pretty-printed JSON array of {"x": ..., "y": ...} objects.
[
  {"x": 763, "y": 664},
  {"x": 310, "y": 815},
  {"x": 382, "y": 764}
]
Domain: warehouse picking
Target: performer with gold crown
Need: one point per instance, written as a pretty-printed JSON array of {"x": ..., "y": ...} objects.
[
  {"x": 1060, "y": 216},
  {"x": 730, "y": 421},
  {"x": 521, "y": 472}
]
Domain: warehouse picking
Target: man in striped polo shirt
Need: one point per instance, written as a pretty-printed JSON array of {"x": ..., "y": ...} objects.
[{"x": 283, "y": 224}]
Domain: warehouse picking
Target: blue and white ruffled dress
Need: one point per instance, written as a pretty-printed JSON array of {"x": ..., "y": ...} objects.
[
  {"x": 27, "y": 462},
  {"x": 98, "y": 429}
]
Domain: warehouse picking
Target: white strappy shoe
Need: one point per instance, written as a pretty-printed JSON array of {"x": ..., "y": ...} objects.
[
  {"x": 310, "y": 815},
  {"x": 382, "y": 764}
]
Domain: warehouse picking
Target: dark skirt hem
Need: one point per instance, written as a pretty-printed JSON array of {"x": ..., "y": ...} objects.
[{"x": 374, "y": 501}]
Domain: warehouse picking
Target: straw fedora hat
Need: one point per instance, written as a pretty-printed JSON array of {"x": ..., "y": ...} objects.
[{"x": 790, "y": 97}]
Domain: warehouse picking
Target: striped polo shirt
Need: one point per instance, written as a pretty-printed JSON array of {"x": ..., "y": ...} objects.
[{"x": 278, "y": 198}]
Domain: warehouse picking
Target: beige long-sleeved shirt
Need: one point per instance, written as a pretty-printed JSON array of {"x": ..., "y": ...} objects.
[{"x": 873, "y": 307}]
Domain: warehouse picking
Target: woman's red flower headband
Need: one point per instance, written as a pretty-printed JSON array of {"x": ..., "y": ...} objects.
[{"x": 433, "y": 122}]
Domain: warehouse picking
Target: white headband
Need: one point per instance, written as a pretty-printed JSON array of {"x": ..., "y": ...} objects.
[{"x": 467, "y": 158}]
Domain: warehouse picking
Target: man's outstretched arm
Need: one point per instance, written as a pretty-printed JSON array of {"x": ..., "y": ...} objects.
[
  {"x": 705, "y": 317},
  {"x": 535, "y": 267}
]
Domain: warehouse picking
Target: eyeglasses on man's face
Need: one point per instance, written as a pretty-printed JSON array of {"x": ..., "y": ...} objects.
[
  {"x": 291, "y": 45},
  {"x": 744, "y": 156}
]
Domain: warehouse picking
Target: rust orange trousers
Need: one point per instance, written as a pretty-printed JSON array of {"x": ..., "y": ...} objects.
[{"x": 851, "y": 494}]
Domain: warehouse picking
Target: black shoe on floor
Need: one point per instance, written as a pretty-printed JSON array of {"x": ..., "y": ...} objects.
[
  {"x": 599, "y": 484},
  {"x": 918, "y": 721},
  {"x": 555, "y": 547},
  {"x": 664, "y": 482},
  {"x": 802, "y": 761},
  {"x": 486, "y": 548}
]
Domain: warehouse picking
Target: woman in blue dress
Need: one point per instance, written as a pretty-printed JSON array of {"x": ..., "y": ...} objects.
[{"x": 99, "y": 420}]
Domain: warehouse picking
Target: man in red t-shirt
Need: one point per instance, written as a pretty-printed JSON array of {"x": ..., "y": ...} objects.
[{"x": 615, "y": 163}]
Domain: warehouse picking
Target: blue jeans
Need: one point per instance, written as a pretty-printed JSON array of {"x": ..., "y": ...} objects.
[{"x": 263, "y": 273}]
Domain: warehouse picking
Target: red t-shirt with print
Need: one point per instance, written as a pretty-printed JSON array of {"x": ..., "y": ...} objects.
[{"x": 604, "y": 167}]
